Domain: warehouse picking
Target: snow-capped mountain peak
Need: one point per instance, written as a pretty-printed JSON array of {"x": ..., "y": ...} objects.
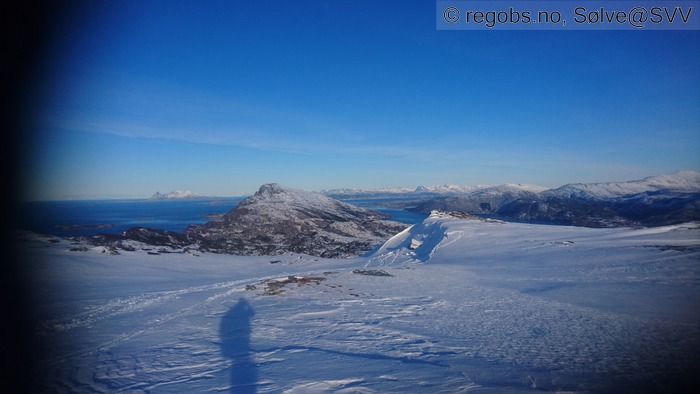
[
  {"x": 276, "y": 198},
  {"x": 421, "y": 189},
  {"x": 270, "y": 189}
]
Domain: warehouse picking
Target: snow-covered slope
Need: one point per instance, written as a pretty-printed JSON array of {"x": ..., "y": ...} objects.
[
  {"x": 681, "y": 181},
  {"x": 448, "y": 305},
  {"x": 275, "y": 201}
]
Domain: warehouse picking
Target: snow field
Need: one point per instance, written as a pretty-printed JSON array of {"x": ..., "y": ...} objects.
[{"x": 470, "y": 306}]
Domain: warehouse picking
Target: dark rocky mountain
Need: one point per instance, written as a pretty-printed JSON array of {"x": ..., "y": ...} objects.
[
  {"x": 482, "y": 201},
  {"x": 275, "y": 220},
  {"x": 656, "y": 208},
  {"x": 279, "y": 219}
]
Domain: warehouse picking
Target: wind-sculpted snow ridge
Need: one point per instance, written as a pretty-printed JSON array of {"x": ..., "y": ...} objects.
[
  {"x": 452, "y": 304},
  {"x": 418, "y": 242}
]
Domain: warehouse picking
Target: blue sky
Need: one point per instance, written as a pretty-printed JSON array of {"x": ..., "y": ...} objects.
[{"x": 220, "y": 97}]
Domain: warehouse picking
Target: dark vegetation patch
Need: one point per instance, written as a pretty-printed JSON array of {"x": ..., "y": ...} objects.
[
  {"x": 277, "y": 286},
  {"x": 372, "y": 272}
]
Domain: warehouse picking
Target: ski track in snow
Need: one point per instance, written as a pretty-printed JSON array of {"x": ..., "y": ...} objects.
[{"x": 470, "y": 307}]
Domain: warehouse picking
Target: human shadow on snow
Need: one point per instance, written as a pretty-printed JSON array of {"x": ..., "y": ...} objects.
[{"x": 234, "y": 331}]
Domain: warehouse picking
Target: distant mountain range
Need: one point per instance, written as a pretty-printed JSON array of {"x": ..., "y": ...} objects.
[
  {"x": 278, "y": 219},
  {"x": 176, "y": 195},
  {"x": 652, "y": 201},
  {"x": 434, "y": 190}
]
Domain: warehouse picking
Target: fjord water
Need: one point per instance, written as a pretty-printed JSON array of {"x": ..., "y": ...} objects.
[{"x": 89, "y": 217}]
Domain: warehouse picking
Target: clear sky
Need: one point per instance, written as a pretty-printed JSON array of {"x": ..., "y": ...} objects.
[{"x": 136, "y": 97}]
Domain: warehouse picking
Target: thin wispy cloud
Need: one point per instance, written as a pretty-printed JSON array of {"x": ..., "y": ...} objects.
[
  {"x": 317, "y": 144},
  {"x": 479, "y": 158}
]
